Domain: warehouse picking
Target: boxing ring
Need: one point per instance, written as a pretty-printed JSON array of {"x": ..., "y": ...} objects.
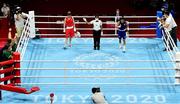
[{"x": 143, "y": 75}]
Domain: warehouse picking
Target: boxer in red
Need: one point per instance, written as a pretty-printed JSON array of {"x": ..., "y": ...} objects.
[{"x": 69, "y": 29}]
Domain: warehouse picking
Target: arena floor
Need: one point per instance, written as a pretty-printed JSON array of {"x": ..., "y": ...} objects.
[{"x": 82, "y": 49}]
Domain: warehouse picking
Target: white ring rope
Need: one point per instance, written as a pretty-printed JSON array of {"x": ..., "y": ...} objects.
[
  {"x": 104, "y": 29},
  {"x": 130, "y": 29},
  {"x": 65, "y": 83},
  {"x": 50, "y": 16},
  {"x": 170, "y": 68},
  {"x": 102, "y": 35},
  {"x": 62, "y": 22},
  {"x": 136, "y": 61},
  {"x": 22, "y": 38},
  {"x": 168, "y": 48},
  {"x": 169, "y": 41},
  {"x": 107, "y": 22},
  {"x": 159, "y": 76}
]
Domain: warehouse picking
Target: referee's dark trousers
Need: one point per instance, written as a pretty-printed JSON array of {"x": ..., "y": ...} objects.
[
  {"x": 96, "y": 37},
  {"x": 173, "y": 35}
]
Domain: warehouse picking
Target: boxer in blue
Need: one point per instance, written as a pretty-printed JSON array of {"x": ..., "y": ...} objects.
[{"x": 122, "y": 30}]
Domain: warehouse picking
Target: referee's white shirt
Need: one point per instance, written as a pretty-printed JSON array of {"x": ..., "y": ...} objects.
[
  {"x": 96, "y": 24},
  {"x": 170, "y": 20},
  {"x": 173, "y": 21}
]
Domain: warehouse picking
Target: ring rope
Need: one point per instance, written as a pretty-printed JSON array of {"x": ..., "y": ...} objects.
[
  {"x": 62, "y": 22},
  {"x": 22, "y": 38},
  {"x": 155, "y": 84},
  {"x": 96, "y": 61},
  {"x": 92, "y": 35},
  {"x": 167, "y": 47},
  {"x": 50, "y": 16},
  {"x": 172, "y": 41},
  {"x": 91, "y": 29},
  {"x": 97, "y": 68},
  {"x": 167, "y": 41},
  {"x": 159, "y": 76}
]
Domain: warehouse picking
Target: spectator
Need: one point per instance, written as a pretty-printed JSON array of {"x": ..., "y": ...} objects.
[
  {"x": 6, "y": 45},
  {"x": 13, "y": 41},
  {"x": 10, "y": 45},
  {"x": 13, "y": 45},
  {"x": 19, "y": 17},
  {"x": 98, "y": 97},
  {"x": 117, "y": 14},
  {"x": 5, "y": 10},
  {"x": 1, "y": 53},
  {"x": 165, "y": 4}
]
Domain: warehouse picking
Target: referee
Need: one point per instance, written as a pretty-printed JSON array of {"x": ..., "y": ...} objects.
[
  {"x": 171, "y": 26},
  {"x": 97, "y": 29}
]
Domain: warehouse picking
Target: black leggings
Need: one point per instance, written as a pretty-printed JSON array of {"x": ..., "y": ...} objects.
[{"x": 96, "y": 37}]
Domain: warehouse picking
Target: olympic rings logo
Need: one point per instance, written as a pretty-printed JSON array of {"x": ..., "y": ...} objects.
[{"x": 97, "y": 56}]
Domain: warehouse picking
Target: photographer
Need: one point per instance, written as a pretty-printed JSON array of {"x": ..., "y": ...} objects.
[
  {"x": 19, "y": 18},
  {"x": 97, "y": 96}
]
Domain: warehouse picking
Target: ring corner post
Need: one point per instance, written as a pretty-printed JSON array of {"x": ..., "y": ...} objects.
[
  {"x": 32, "y": 24},
  {"x": 177, "y": 75},
  {"x": 158, "y": 30},
  {"x": 16, "y": 58}
]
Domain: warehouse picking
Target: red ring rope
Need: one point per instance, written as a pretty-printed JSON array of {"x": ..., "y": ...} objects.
[{"x": 13, "y": 65}]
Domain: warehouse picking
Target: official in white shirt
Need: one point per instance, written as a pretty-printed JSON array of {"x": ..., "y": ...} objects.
[
  {"x": 171, "y": 26},
  {"x": 97, "y": 29},
  {"x": 174, "y": 28}
]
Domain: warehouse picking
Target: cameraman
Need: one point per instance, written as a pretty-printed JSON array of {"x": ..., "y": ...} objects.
[{"x": 19, "y": 18}]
